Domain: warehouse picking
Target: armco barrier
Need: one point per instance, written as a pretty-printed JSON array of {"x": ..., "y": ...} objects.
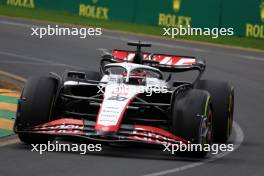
[{"x": 246, "y": 17}]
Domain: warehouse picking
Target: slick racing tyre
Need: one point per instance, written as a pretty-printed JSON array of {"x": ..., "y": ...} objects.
[
  {"x": 223, "y": 105},
  {"x": 191, "y": 118},
  {"x": 34, "y": 108}
]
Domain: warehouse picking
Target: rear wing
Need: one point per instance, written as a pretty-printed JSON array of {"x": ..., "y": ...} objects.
[{"x": 169, "y": 63}]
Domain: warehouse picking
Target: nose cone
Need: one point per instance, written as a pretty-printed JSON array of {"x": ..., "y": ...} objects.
[{"x": 113, "y": 108}]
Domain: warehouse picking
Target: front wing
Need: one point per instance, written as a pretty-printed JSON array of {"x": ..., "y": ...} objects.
[{"x": 86, "y": 129}]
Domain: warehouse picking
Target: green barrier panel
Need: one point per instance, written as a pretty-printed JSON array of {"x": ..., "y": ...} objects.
[
  {"x": 20, "y": 3},
  {"x": 98, "y": 9},
  {"x": 246, "y": 17},
  {"x": 179, "y": 12},
  {"x": 157, "y": 12}
]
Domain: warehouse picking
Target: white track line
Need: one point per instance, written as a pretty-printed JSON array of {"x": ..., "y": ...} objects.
[
  {"x": 10, "y": 75},
  {"x": 190, "y": 48},
  {"x": 31, "y": 63},
  {"x": 35, "y": 59},
  {"x": 9, "y": 142},
  {"x": 18, "y": 24},
  {"x": 237, "y": 142},
  {"x": 154, "y": 43},
  {"x": 23, "y": 57}
]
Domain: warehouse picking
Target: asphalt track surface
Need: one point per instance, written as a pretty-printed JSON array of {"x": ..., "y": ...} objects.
[{"x": 24, "y": 55}]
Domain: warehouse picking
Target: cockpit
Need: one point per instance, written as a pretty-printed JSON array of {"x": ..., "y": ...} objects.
[{"x": 133, "y": 74}]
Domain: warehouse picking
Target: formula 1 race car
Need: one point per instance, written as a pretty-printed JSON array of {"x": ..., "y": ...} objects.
[{"x": 129, "y": 100}]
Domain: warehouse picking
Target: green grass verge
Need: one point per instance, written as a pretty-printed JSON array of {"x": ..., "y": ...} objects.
[{"x": 66, "y": 18}]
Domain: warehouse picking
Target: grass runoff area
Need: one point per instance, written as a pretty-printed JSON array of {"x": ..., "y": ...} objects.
[{"x": 66, "y": 18}]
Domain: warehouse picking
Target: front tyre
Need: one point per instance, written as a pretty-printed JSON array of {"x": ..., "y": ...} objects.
[
  {"x": 223, "y": 105},
  {"x": 35, "y": 108},
  {"x": 191, "y": 118}
]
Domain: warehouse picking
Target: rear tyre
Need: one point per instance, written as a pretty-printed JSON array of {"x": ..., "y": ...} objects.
[
  {"x": 34, "y": 108},
  {"x": 191, "y": 118},
  {"x": 223, "y": 105}
]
